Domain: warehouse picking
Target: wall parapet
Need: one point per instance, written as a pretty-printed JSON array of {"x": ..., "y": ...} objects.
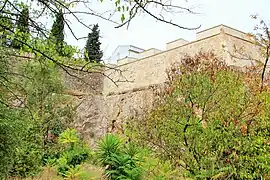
[
  {"x": 221, "y": 29},
  {"x": 152, "y": 69}
]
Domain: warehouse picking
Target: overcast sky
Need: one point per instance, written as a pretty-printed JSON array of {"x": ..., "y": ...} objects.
[{"x": 146, "y": 33}]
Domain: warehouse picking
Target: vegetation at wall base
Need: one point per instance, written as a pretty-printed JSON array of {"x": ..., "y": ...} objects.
[
  {"x": 213, "y": 121},
  {"x": 120, "y": 161},
  {"x": 34, "y": 112}
]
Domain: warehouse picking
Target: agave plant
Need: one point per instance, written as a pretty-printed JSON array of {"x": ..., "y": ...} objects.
[
  {"x": 120, "y": 161},
  {"x": 109, "y": 146}
]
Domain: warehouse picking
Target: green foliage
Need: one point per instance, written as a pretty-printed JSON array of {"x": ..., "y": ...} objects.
[
  {"x": 68, "y": 51},
  {"x": 76, "y": 173},
  {"x": 92, "y": 47},
  {"x": 33, "y": 112},
  {"x": 120, "y": 160},
  {"x": 8, "y": 138},
  {"x": 214, "y": 121},
  {"x": 19, "y": 143},
  {"x": 22, "y": 33},
  {"x": 69, "y": 136},
  {"x": 129, "y": 161},
  {"x": 155, "y": 168},
  {"x": 72, "y": 154},
  {"x": 21, "y": 150},
  {"x": 56, "y": 39},
  {"x": 4, "y": 33},
  {"x": 57, "y": 32},
  {"x": 29, "y": 152},
  {"x": 44, "y": 95}
]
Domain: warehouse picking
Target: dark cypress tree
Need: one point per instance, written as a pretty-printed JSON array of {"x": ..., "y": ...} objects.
[
  {"x": 22, "y": 30},
  {"x": 57, "y": 32},
  {"x": 92, "y": 47}
]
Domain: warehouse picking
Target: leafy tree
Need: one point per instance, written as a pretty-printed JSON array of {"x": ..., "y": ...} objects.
[
  {"x": 22, "y": 31},
  {"x": 43, "y": 94},
  {"x": 33, "y": 110},
  {"x": 20, "y": 140},
  {"x": 9, "y": 121},
  {"x": 213, "y": 121},
  {"x": 57, "y": 32},
  {"x": 92, "y": 47},
  {"x": 29, "y": 149},
  {"x": 8, "y": 139}
]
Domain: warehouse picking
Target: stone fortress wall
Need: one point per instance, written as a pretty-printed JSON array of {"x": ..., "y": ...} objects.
[
  {"x": 131, "y": 92},
  {"x": 151, "y": 68}
]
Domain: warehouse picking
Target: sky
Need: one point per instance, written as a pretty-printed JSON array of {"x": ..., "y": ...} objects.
[{"x": 146, "y": 33}]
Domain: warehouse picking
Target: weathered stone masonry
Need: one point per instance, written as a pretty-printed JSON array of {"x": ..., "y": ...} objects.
[{"x": 131, "y": 92}]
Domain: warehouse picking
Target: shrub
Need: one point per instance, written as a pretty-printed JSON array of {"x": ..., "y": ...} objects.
[
  {"x": 28, "y": 152},
  {"x": 74, "y": 152},
  {"x": 155, "y": 168},
  {"x": 75, "y": 173},
  {"x": 33, "y": 112},
  {"x": 8, "y": 139},
  {"x": 120, "y": 160},
  {"x": 214, "y": 121}
]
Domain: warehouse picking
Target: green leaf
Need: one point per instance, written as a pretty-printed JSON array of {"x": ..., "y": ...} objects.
[{"x": 123, "y": 18}]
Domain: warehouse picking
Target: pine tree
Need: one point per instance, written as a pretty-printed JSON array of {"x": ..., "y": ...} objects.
[
  {"x": 57, "y": 32},
  {"x": 22, "y": 30},
  {"x": 92, "y": 47}
]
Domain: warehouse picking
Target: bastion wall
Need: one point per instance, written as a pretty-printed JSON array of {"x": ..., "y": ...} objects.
[{"x": 130, "y": 87}]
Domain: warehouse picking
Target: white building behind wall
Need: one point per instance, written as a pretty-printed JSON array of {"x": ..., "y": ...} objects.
[{"x": 127, "y": 52}]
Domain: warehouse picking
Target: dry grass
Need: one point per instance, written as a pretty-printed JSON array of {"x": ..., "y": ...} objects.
[{"x": 50, "y": 173}]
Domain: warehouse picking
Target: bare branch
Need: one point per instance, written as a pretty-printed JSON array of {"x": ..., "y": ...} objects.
[
  {"x": 4, "y": 5},
  {"x": 162, "y": 20},
  {"x": 92, "y": 14}
]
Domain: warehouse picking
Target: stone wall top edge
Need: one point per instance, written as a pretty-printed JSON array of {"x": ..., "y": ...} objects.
[
  {"x": 151, "y": 49},
  {"x": 237, "y": 37},
  {"x": 166, "y": 51},
  {"x": 126, "y": 58},
  {"x": 177, "y": 40},
  {"x": 221, "y": 25}
]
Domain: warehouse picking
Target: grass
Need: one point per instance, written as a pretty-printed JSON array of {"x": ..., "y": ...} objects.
[{"x": 90, "y": 172}]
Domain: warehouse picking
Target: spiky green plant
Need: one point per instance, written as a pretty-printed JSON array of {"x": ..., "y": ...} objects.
[{"x": 119, "y": 160}]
